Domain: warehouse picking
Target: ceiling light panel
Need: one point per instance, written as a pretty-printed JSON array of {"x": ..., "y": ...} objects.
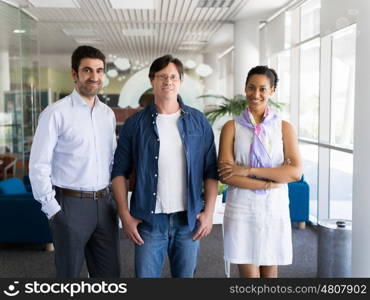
[
  {"x": 55, "y": 3},
  {"x": 136, "y": 4},
  {"x": 139, "y": 32},
  {"x": 88, "y": 41},
  {"x": 79, "y": 32},
  {"x": 188, "y": 47}
]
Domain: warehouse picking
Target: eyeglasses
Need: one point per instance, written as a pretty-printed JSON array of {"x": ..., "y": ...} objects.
[{"x": 164, "y": 77}]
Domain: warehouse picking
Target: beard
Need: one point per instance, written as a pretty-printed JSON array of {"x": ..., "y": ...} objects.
[{"x": 88, "y": 90}]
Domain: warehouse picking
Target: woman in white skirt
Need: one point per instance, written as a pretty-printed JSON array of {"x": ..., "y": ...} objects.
[{"x": 258, "y": 156}]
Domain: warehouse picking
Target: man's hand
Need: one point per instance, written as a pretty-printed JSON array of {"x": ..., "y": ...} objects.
[
  {"x": 53, "y": 216},
  {"x": 205, "y": 225},
  {"x": 227, "y": 170},
  {"x": 130, "y": 229}
]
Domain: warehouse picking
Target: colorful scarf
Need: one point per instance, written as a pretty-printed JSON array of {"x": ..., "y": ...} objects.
[{"x": 259, "y": 150}]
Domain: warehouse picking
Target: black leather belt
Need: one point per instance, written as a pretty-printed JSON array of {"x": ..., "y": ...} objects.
[{"x": 83, "y": 194}]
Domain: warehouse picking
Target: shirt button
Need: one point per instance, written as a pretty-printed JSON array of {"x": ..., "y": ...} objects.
[
  {"x": 157, "y": 140},
  {"x": 152, "y": 212},
  {"x": 153, "y": 122},
  {"x": 155, "y": 175},
  {"x": 154, "y": 194},
  {"x": 156, "y": 157}
]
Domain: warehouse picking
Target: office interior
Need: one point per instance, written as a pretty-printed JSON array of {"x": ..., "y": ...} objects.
[{"x": 319, "y": 48}]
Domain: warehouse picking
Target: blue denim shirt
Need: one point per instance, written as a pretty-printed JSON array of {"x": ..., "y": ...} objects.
[{"x": 138, "y": 149}]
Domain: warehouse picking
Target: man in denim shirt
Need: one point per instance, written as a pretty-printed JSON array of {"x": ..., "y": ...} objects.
[{"x": 171, "y": 148}]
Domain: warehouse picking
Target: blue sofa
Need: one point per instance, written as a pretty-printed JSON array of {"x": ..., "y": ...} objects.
[
  {"x": 299, "y": 202},
  {"x": 21, "y": 218}
]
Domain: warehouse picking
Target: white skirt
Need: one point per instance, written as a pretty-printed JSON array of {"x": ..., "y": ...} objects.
[{"x": 257, "y": 228}]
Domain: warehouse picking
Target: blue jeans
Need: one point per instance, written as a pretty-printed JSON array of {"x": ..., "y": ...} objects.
[{"x": 169, "y": 233}]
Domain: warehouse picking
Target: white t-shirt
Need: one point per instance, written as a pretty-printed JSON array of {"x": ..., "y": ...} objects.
[{"x": 171, "y": 190}]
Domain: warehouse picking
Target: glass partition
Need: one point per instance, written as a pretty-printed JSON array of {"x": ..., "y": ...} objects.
[
  {"x": 309, "y": 90},
  {"x": 19, "y": 82},
  {"x": 343, "y": 87},
  {"x": 341, "y": 172}
]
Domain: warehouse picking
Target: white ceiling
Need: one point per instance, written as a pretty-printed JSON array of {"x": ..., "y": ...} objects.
[{"x": 179, "y": 26}]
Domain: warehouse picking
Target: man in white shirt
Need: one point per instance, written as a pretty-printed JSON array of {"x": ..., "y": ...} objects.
[
  {"x": 70, "y": 165},
  {"x": 170, "y": 146}
]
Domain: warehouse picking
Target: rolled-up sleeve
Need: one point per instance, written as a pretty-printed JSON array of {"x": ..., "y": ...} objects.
[
  {"x": 43, "y": 145},
  {"x": 210, "y": 157},
  {"x": 122, "y": 165}
]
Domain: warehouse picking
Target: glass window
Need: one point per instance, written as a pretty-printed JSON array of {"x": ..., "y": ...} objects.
[
  {"x": 10, "y": 82},
  {"x": 342, "y": 87},
  {"x": 341, "y": 171},
  {"x": 226, "y": 75},
  {"x": 310, "y": 19},
  {"x": 273, "y": 62},
  {"x": 309, "y": 90},
  {"x": 288, "y": 30},
  {"x": 310, "y": 160},
  {"x": 283, "y": 89}
]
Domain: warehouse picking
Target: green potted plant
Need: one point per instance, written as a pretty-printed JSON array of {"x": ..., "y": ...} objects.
[
  {"x": 231, "y": 106},
  {"x": 222, "y": 187}
]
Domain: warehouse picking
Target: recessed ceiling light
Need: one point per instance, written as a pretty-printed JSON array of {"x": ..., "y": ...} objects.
[
  {"x": 190, "y": 64},
  {"x": 79, "y": 32},
  {"x": 204, "y": 70},
  {"x": 55, "y": 3},
  {"x": 122, "y": 63},
  {"x": 19, "y": 31},
  {"x": 137, "y": 4},
  {"x": 112, "y": 73},
  {"x": 139, "y": 32}
]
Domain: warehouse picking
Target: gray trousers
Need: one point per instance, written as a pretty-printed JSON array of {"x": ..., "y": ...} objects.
[{"x": 86, "y": 228}]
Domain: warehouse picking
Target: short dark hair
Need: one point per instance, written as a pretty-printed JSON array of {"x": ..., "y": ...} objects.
[
  {"x": 264, "y": 70},
  {"x": 162, "y": 62},
  {"x": 85, "y": 52}
]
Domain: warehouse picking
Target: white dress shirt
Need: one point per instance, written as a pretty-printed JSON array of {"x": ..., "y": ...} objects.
[
  {"x": 73, "y": 148},
  {"x": 171, "y": 189}
]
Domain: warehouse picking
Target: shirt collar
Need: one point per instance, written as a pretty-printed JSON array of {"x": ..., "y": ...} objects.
[{"x": 78, "y": 101}]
